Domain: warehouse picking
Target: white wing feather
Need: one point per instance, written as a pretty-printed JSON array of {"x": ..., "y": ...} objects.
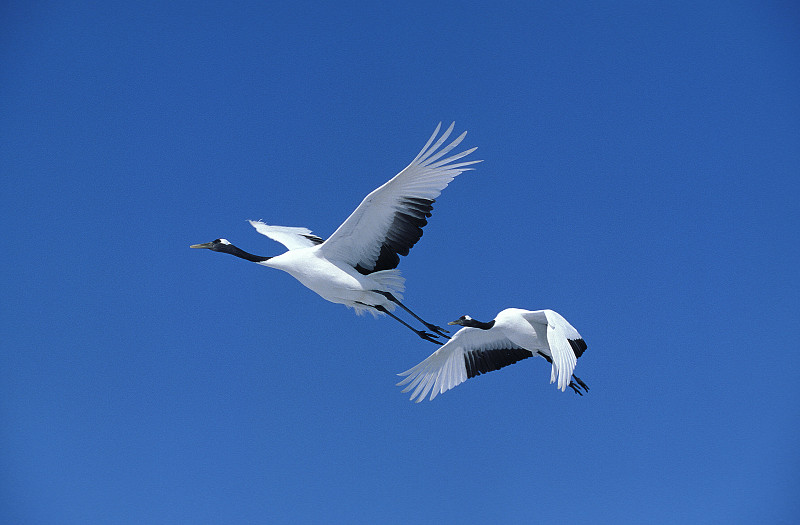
[
  {"x": 559, "y": 331},
  {"x": 445, "y": 368},
  {"x": 292, "y": 237},
  {"x": 358, "y": 240},
  {"x": 563, "y": 358}
]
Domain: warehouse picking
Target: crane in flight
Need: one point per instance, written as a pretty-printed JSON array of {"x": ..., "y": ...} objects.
[
  {"x": 357, "y": 265},
  {"x": 482, "y": 347}
]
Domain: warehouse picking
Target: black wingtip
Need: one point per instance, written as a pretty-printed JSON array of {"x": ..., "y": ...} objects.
[
  {"x": 481, "y": 361},
  {"x": 403, "y": 233},
  {"x": 578, "y": 346}
]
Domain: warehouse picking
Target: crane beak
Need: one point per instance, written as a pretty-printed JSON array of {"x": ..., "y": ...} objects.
[
  {"x": 204, "y": 245},
  {"x": 453, "y": 322}
]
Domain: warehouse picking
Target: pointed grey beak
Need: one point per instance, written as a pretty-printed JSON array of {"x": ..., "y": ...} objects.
[{"x": 204, "y": 245}]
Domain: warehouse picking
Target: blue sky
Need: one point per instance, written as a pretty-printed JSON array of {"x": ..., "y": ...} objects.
[{"x": 640, "y": 177}]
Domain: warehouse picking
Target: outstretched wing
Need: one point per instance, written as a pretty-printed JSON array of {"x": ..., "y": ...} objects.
[
  {"x": 566, "y": 344},
  {"x": 389, "y": 221},
  {"x": 292, "y": 237},
  {"x": 469, "y": 353}
]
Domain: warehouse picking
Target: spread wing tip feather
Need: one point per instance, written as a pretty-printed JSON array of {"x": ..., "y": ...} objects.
[{"x": 389, "y": 221}]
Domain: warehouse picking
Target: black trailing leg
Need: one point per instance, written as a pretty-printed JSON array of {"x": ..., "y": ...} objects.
[
  {"x": 438, "y": 330},
  {"x": 425, "y": 335},
  {"x": 580, "y": 383},
  {"x": 575, "y": 388}
]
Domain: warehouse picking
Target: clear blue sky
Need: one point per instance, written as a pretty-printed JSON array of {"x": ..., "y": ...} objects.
[{"x": 640, "y": 177}]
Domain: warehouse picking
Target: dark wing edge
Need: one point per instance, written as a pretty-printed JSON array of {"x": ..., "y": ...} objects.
[
  {"x": 578, "y": 346},
  {"x": 405, "y": 231},
  {"x": 314, "y": 239},
  {"x": 480, "y": 361}
]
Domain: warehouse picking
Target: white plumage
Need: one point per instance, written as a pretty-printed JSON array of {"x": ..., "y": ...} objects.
[
  {"x": 478, "y": 348},
  {"x": 356, "y": 266},
  {"x": 374, "y": 224},
  {"x": 294, "y": 238}
]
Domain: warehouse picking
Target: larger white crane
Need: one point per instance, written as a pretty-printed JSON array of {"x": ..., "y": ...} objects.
[
  {"x": 480, "y": 347},
  {"x": 356, "y": 265}
]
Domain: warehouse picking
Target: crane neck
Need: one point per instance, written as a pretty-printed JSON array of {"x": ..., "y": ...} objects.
[
  {"x": 478, "y": 324},
  {"x": 238, "y": 252}
]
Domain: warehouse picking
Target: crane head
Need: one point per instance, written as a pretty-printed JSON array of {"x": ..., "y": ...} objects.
[{"x": 218, "y": 245}]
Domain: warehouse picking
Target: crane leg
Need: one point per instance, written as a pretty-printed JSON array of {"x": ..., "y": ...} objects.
[
  {"x": 438, "y": 330},
  {"x": 424, "y": 335},
  {"x": 575, "y": 388},
  {"x": 580, "y": 383}
]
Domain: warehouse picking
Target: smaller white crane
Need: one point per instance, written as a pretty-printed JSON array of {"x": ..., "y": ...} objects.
[{"x": 479, "y": 347}]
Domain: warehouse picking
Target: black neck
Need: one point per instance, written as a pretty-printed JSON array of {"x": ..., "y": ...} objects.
[
  {"x": 478, "y": 324},
  {"x": 238, "y": 252}
]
